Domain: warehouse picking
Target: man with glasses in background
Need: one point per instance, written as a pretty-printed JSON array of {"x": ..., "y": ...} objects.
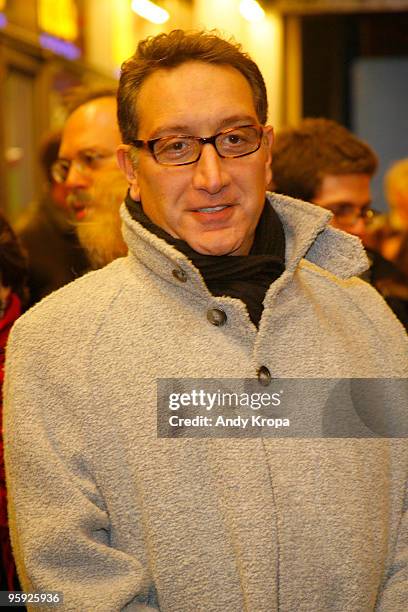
[
  {"x": 88, "y": 169},
  {"x": 222, "y": 281},
  {"x": 46, "y": 232},
  {"x": 322, "y": 162}
]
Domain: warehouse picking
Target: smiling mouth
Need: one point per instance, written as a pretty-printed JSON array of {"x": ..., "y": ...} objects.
[{"x": 212, "y": 209}]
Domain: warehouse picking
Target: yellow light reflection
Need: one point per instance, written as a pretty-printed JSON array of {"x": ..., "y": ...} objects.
[
  {"x": 150, "y": 11},
  {"x": 251, "y": 10},
  {"x": 59, "y": 18}
]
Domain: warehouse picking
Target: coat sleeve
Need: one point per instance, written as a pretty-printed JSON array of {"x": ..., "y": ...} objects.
[
  {"x": 394, "y": 595},
  {"x": 60, "y": 527}
]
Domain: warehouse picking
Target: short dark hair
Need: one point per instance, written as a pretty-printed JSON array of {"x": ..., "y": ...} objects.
[
  {"x": 303, "y": 155},
  {"x": 172, "y": 50}
]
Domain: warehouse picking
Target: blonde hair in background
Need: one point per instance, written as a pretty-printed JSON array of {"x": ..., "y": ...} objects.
[{"x": 396, "y": 183}]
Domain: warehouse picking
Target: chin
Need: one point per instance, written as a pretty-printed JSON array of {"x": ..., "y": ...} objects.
[
  {"x": 217, "y": 242},
  {"x": 217, "y": 248}
]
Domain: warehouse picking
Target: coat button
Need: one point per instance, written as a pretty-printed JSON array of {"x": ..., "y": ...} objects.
[
  {"x": 216, "y": 317},
  {"x": 180, "y": 275},
  {"x": 264, "y": 376}
]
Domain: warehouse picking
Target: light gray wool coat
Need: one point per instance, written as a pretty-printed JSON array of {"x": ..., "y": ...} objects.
[{"x": 117, "y": 519}]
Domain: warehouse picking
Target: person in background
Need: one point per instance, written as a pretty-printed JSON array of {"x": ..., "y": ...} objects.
[
  {"x": 322, "y": 162},
  {"x": 47, "y": 234},
  {"x": 389, "y": 233},
  {"x": 226, "y": 281},
  {"x": 13, "y": 299},
  {"x": 88, "y": 171},
  {"x": 100, "y": 232}
]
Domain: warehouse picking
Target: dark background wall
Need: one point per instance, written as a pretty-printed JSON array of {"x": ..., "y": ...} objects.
[{"x": 355, "y": 70}]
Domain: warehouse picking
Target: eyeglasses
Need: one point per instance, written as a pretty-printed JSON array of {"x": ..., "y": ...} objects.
[
  {"x": 85, "y": 162},
  {"x": 180, "y": 150},
  {"x": 348, "y": 214}
]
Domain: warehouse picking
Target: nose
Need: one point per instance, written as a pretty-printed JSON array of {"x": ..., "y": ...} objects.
[
  {"x": 358, "y": 228},
  {"x": 76, "y": 177},
  {"x": 210, "y": 173}
]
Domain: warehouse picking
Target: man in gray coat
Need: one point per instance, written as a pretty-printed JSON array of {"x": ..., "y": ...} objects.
[{"x": 222, "y": 281}]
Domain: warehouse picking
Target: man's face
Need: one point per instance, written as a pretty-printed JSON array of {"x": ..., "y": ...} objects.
[
  {"x": 348, "y": 197},
  {"x": 213, "y": 204},
  {"x": 89, "y": 141}
]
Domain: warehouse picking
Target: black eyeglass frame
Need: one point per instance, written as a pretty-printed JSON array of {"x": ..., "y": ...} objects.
[{"x": 149, "y": 144}]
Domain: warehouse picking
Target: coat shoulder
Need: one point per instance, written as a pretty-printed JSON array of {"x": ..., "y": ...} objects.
[
  {"x": 76, "y": 308},
  {"x": 358, "y": 298}
]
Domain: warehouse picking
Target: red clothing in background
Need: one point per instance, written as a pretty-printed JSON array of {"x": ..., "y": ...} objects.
[{"x": 8, "y": 570}]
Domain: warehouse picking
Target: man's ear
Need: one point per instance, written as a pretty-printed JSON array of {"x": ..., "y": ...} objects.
[
  {"x": 129, "y": 170},
  {"x": 268, "y": 137}
]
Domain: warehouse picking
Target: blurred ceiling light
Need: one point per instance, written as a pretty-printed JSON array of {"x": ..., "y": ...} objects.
[
  {"x": 251, "y": 10},
  {"x": 150, "y": 11},
  {"x": 60, "y": 47}
]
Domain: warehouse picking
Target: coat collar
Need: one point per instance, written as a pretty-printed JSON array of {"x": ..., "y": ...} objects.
[{"x": 307, "y": 235}]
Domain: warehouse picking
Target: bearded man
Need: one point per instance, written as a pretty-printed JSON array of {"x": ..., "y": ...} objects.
[{"x": 88, "y": 169}]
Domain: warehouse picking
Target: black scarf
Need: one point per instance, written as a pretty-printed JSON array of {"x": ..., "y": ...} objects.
[{"x": 246, "y": 277}]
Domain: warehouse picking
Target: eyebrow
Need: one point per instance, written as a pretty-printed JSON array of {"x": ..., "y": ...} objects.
[
  {"x": 343, "y": 203},
  {"x": 232, "y": 121},
  {"x": 91, "y": 149}
]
